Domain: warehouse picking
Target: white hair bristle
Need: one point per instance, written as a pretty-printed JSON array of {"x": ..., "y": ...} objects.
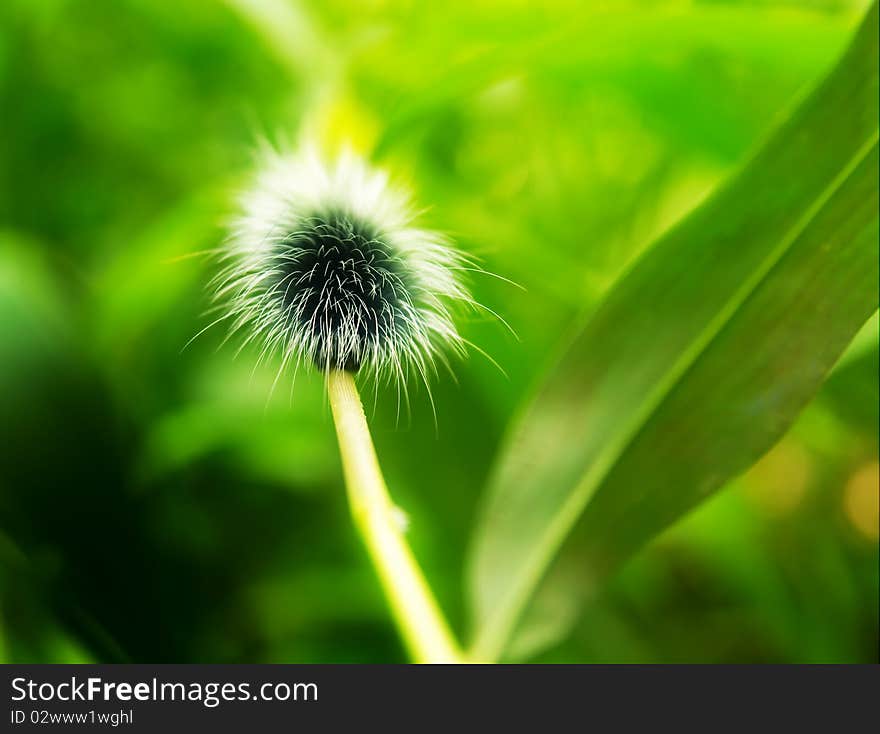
[{"x": 324, "y": 266}]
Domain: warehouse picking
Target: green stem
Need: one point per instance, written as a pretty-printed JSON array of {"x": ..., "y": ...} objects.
[{"x": 421, "y": 623}]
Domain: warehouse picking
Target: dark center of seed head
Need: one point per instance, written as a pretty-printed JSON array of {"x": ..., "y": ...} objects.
[{"x": 340, "y": 283}]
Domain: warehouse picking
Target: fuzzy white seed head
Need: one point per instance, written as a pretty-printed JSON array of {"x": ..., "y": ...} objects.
[{"x": 324, "y": 266}]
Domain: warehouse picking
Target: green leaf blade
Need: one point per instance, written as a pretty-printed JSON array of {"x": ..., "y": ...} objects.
[{"x": 687, "y": 316}]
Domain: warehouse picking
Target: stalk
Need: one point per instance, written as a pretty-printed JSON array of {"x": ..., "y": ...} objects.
[{"x": 415, "y": 611}]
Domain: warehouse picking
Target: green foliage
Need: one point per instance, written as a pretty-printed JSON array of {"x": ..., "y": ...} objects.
[
  {"x": 700, "y": 356},
  {"x": 157, "y": 503}
]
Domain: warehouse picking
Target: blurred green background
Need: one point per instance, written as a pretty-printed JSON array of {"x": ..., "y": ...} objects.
[{"x": 156, "y": 504}]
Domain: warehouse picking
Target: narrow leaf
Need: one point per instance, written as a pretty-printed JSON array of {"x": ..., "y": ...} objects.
[{"x": 699, "y": 358}]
